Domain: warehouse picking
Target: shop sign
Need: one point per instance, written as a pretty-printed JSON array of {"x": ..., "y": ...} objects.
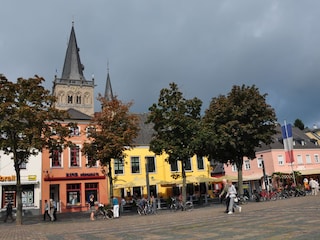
[
  {"x": 8, "y": 178},
  {"x": 82, "y": 174},
  {"x": 32, "y": 177}
]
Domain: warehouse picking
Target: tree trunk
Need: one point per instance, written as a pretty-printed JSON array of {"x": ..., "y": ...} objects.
[
  {"x": 111, "y": 182},
  {"x": 18, "y": 195},
  {"x": 184, "y": 180},
  {"x": 240, "y": 178}
]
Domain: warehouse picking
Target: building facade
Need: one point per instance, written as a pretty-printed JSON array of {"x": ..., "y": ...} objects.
[
  {"x": 66, "y": 177},
  {"x": 31, "y": 174},
  {"x": 271, "y": 159}
]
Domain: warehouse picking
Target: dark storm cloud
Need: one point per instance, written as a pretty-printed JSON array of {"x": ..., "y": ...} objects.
[{"x": 206, "y": 47}]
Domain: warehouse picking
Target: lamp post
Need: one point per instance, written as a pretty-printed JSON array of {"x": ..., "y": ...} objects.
[
  {"x": 147, "y": 179},
  {"x": 264, "y": 174}
]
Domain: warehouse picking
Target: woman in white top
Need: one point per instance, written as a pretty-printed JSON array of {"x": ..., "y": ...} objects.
[{"x": 232, "y": 194}]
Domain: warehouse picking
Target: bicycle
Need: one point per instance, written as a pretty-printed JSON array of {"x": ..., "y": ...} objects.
[
  {"x": 103, "y": 213},
  {"x": 145, "y": 208},
  {"x": 188, "y": 206},
  {"x": 243, "y": 200}
]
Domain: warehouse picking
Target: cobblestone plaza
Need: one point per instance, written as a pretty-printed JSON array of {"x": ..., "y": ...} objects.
[{"x": 294, "y": 218}]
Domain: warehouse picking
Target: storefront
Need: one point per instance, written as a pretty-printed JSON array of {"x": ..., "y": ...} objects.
[
  {"x": 30, "y": 193},
  {"x": 72, "y": 191}
]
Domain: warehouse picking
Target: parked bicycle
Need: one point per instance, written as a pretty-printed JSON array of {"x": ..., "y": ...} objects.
[
  {"x": 177, "y": 205},
  {"x": 103, "y": 213},
  {"x": 145, "y": 208}
]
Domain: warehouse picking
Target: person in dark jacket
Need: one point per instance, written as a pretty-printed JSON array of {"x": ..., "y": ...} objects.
[
  {"x": 9, "y": 212},
  {"x": 224, "y": 193}
]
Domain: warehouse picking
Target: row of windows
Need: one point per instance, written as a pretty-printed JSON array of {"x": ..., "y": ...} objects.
[
  {"x": 74, "y": 157},
  {"x": 75, "y": 131},
  {"x": 151, "y": 165},
  {"x": 74, "y": 193},
  {"x": 281, "y": 161}
]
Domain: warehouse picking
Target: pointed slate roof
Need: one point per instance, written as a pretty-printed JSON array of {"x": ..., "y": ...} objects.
[
  {"x": 108, "y": 95},
  {"x": 72, "y": 68}
]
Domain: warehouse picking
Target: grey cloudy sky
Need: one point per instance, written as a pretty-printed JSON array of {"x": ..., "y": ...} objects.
[{"x": 205, "y": 46}]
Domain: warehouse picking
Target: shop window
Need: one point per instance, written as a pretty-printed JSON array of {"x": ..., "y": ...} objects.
[
  {"x": 151, "y": 164},
  {"x": 118, "y": 166},
  {"x": 91, "y": 188},
  {"x": 55, "y": 158},
  {"x": 75, "y": 156},
  {"x": 200, "y": 163},
  {"x": 73, "y": 194},
  {"x": 27, "y": 195},
  {"x": 135, "y": 165},
  {"x": 8, "y": 194}
]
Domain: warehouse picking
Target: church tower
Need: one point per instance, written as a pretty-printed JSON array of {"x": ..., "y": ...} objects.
[
  {"x": 72, "y": 90},
  {"x": 108, "y": 95}
]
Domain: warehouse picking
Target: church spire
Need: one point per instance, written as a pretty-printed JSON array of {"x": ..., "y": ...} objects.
[
  {"x": 108, "y": 95},
  {"x": 72, "y": 68}
]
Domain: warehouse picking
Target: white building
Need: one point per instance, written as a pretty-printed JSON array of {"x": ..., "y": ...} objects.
[{"x": 31, "y": 184}]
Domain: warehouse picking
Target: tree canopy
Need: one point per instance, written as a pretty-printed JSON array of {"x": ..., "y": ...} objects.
[
  {"x": 27, "y": 118},
  {"x": 176, "y": 123},
  {"x": 113, "y": 131},
  {"x": 299, "y": 124},
  {"x": 237, "y": 124}
]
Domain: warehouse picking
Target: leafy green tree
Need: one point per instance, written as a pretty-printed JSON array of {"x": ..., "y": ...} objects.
[
  {"x": 176, "y": 123},
  {"x": 236, "y": 125},
  {"x": 27, "y": 117},
  {"x": 299, "y": 124},
  {"x": 114, "y": 131}
]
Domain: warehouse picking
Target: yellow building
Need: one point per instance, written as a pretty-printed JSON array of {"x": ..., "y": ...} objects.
[{"x": 131, "y": 176}]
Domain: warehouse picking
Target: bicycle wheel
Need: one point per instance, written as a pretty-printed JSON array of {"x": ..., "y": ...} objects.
[{"x": 189, "y": 206}]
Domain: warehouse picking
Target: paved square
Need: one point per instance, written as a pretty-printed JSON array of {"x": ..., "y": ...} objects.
[{"x": 294, "y": 218}]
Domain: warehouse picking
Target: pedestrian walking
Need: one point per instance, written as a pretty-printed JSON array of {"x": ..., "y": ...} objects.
[
  {"x": 122, "y": 204},
  {"x": 232, "y": 194},
  {"x": 91, "y": 207},
  {"x": 9, "y": 212},
  {"x": 314, "y": 185},
  {"x": 54, "y": 203},
  {"x": 223, "y": 195},
  {"x": 153, "y": 203},
  {"x": 115, "y": 203},
  {"x": 46, "y": 210},
  {"x": 51, "y": 209}
]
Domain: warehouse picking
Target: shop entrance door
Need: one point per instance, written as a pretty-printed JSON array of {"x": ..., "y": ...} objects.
[{"x": 54, "y": 194}]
